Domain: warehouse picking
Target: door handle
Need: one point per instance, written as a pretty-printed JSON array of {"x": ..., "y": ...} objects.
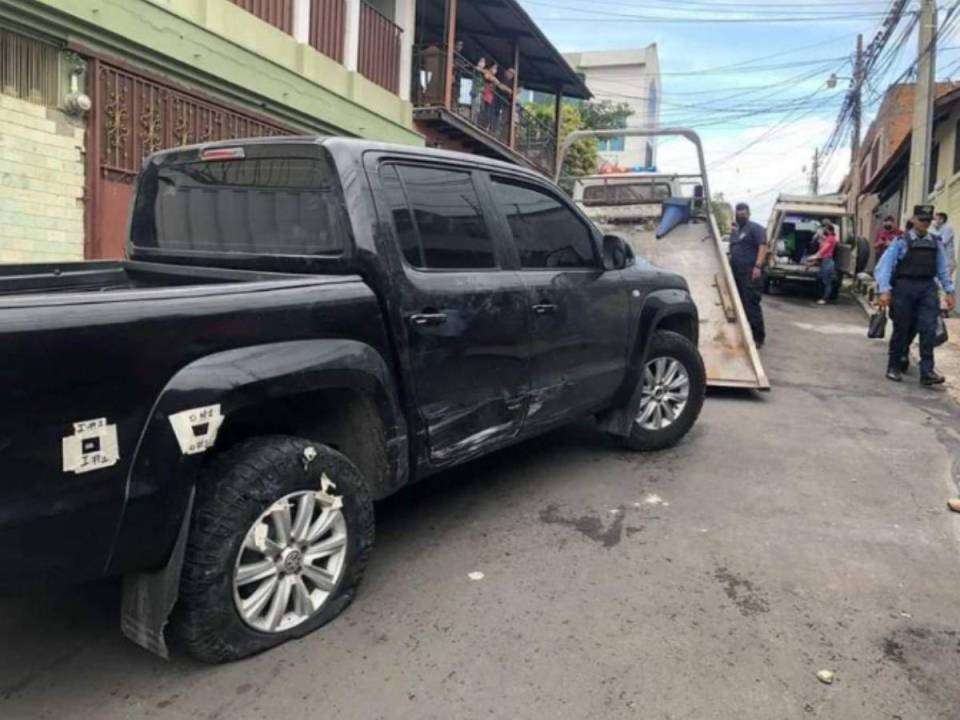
[
  {"x": 545, "y": 308},
  {"x": 425, "y": 319}
]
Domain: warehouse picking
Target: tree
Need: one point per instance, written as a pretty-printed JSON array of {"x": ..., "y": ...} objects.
[
  {"x": 721, "y": 211},
  {"x": 581, "y": 158},
  {"x": 604, "y": 115}
]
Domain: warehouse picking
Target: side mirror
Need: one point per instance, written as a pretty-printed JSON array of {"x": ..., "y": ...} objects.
[{"x": 617, "y": 253}]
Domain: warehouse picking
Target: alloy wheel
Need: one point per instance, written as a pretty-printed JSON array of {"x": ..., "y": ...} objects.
[
  {"x": 291, "y": 560},
  {"x": 664, "y": 393}
]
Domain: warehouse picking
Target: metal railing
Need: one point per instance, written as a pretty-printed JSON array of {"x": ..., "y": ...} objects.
[
  {"x": 479, "y": 98},
  {"x": 380, "y": 40},
  {"x": 536, "y": 139},
  {"x": 278, "y": 13},
  {"x": 327, "y": 19}
]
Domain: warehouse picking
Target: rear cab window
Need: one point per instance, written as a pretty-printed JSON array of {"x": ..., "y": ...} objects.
[
  {"x": 264, "y": 200},
  {"x": 615, "y": 194}
]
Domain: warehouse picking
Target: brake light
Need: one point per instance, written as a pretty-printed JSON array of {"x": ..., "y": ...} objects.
[{"x": 235, "y": 153}]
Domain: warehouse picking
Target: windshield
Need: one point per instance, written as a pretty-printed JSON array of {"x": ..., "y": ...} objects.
[
  {"x": 635, "y": 193},
  {"x": 259, "y": 205}
]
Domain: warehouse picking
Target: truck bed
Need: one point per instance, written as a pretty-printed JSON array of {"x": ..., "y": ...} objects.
[{"x": 111, "y": 276}]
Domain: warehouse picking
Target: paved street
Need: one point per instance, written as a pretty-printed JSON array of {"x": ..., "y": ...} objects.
[{"x": 794, "y": 532}]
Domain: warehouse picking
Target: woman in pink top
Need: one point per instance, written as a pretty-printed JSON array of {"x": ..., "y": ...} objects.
[{"x": 828, "y": 244}]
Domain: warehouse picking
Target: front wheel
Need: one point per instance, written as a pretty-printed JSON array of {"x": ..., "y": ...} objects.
[
  {"x": 672, "y": 387},
  {"x": 281, "y": 532}
]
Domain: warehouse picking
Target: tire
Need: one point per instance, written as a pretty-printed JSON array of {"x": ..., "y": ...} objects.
[
  {"x": 671, "y": 347},
  {"x": 235, "y": 523},
  {"x": 765, "y": 284}
]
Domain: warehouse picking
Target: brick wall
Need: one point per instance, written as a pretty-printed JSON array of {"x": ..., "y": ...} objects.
[{"x": 41, "y": 183}]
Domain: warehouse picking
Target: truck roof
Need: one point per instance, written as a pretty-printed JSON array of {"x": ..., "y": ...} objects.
[
  {"x": 354, "y": 146},
  {"x": 835, "y": 199}
]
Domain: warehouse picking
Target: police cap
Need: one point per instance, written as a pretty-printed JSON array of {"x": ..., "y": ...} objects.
[{"x": 923, "y": 212}]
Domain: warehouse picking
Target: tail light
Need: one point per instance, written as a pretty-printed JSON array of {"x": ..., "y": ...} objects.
[{"x": 228, "y": 153}]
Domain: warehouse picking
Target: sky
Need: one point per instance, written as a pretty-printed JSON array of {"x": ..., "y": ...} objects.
[{"x": 750, "y": 77}]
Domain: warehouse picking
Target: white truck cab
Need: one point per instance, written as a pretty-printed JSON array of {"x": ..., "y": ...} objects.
[{"x": 792, "y": 236}]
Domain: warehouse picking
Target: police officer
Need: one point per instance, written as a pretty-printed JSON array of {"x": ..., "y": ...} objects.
[
  {"x": 748, "y": 251},
  {"x": 905, "y": 278}
]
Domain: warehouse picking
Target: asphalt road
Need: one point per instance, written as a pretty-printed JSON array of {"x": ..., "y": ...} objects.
[{"x": 794, "y": 532}]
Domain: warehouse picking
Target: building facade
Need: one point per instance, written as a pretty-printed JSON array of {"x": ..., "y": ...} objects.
[
  {"x": 88, "y": 88},
  {"x": 474, "y": 61},
  {"x": 885, "y": 159},
  {"x": 631, "y": 77}
]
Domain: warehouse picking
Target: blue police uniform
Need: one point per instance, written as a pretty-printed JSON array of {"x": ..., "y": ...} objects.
[
  {"x": 909, "y": 268},
  {"x": 744, "y": 243}
]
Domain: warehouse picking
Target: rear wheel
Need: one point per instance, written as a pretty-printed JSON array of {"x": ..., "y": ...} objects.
[
  {"x": 672, "y": 386},
  {"x": 281, "y": 534}
]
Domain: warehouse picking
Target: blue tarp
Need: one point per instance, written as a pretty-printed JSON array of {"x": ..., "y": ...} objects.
[{"x": 676, "y": 211}]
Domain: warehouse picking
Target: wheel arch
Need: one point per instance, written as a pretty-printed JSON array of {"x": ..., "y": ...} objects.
[
  {"x": 301, "y": 387},
  {"x": 259, "y": 389},
  {"x": 670, "y": 309}
]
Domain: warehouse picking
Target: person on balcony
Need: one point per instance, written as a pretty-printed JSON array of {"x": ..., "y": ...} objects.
[
  {"x": 504, "y": 101},
  {"x": 488, "y": 98},
  {"x": 476, "y": 90},
  {"x": 460, "y": 71}
]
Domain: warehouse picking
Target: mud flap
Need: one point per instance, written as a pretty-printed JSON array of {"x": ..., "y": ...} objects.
[
  {"x": 619, "y": 421},
  {"x": 148, "y": 598}
]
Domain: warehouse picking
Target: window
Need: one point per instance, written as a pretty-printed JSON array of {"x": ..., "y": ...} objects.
[
  {"x": 638, "y": 193},
  {"x": 956, "y": 148},
  {"x": 446, "y": 228},
  {"x": 611, "y": 144},
  {"x": 934, "y": 167},
  {"x": 546, "y": 232},
  {"x": 259, "y": 205},
  {"x": 402, "y": 219}
]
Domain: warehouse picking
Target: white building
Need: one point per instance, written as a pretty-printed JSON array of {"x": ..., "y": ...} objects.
[{"x": 631, "y": 77}]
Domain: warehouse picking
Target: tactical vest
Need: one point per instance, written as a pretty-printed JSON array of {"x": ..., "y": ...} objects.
[{"x": 920, "y": 260}]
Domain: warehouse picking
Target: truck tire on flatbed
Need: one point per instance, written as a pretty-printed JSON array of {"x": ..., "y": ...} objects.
[
  {"x": 673, "y": 383},
  {"x": 281, "y": 532}
]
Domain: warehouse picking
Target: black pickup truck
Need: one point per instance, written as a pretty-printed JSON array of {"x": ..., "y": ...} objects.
[{"x": 304, "y": 326}]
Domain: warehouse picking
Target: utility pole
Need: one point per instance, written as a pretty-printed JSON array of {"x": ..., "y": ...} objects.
[
  {"x": 919, "y": 177},
  {"x": 815, "y": 173},
  {"x": 856, "y": 109}
]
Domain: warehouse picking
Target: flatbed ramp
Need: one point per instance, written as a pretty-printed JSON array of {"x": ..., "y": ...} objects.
[
  {"x": 690, "y": 244},
  {"x": 689, "y": 250}
]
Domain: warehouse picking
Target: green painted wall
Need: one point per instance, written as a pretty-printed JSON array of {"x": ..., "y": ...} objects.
[{"x": 229, "y": 53}]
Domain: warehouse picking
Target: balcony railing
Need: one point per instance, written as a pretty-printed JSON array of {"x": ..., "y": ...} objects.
[
  {"x": 482, "y": 102},
  {"x": 278, "y": 13},
  {"x": 380, "y": 40},
  {"x": 535, "y": 139},
  {"x": 327, "y": 19}
]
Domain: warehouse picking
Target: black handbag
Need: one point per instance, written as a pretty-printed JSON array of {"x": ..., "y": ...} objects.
[
  {"x": 941, "y": 336},
  {"x": 878, "y": 325}
]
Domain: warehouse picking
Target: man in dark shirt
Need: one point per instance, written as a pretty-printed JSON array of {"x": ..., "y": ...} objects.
[{"x": 748, "y": 252}]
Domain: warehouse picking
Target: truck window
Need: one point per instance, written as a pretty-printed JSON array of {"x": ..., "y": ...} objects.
[
  {"x": 438, "y": 218},
  {"x": 258, "y": 205},
  {"x": 546, "y": 232},
  {"x": 625, "y": 193}
]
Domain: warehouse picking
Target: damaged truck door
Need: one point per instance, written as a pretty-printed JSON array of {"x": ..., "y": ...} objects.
[
  {"x": 464, "y": 315},
  {"x": 578, "y": 333}
]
